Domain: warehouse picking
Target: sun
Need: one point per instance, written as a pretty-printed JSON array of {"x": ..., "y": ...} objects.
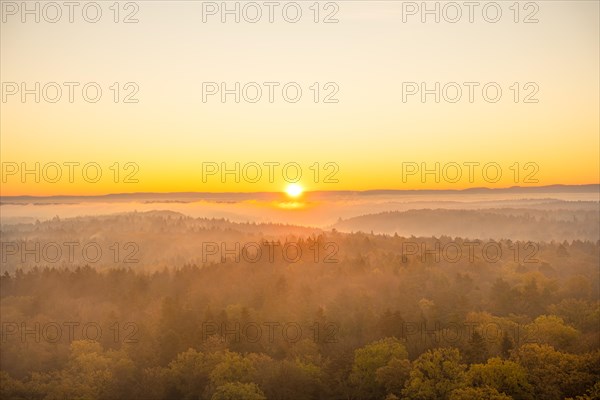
[{"x": 294, "y": 190}]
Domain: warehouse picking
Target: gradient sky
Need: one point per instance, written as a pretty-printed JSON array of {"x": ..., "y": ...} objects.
[{"x": 368, "y": 134}]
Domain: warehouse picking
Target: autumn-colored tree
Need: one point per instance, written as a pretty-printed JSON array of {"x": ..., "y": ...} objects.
[
  {"x": 505, "y": 376},
  {"x": 394, "y": 375},
  {"x": 238, "y": 391},
  {"x": 554, "y": 374},
  {"x": 478, "y": 393},
  {"x": 368, "y": 360},
  {"x": 435, "y": 375},
  {"x": 552, "y": 330}
]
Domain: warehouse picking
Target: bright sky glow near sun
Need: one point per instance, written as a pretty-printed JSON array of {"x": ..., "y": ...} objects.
[
  {"x": 294, "y": 190},
  {"x": 160, "y": 143}
]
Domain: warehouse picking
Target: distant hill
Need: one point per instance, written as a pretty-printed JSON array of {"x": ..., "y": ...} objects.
[
  {"x": 186, "y": 197},
  {"x": 508, "y": 223}
]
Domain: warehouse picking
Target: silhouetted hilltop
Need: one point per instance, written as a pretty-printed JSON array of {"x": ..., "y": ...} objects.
[
  {"x": 233, "y": 197},
  {"x": 505, "y": 223}
]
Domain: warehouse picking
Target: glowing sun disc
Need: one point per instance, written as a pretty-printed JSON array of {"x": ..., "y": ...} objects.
[{"x": 294, "y": 190}]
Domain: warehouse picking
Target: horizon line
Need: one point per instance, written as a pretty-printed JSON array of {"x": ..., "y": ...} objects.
[{"x": 368, "y": 191}]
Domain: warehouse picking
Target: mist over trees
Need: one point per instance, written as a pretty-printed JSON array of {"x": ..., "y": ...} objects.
[
  {"x": 337, "y": 316},
  {"x": 493, "y": 223}
]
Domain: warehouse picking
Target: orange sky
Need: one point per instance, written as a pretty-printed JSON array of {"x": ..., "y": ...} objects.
[{"x": 363, "y": 141}]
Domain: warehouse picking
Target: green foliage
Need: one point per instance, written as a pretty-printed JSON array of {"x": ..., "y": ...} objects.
[
  {"x": 505, "y": 376},
  {"x": 582, "y": 314},
  {"x": 238, "y": 391},
  {"x": 11, "y": 388},
  {"x": 188, "y": 374},
  {"x": 375, "y": 311},
  {"x": 371, "y": 358},
  {"x": 478, "y": 393},
  {"x": 91, "y": 373},
  {"x": 393, "y": 376},
  {"x": 555, "y": 375},
  {"x": 435, "y": 375},
  {"x": 232, "y": 368},
  {"x": 552, "y": 330},
  {"x": 477, "y": 350},
  {"x": 592, "y": 394}
]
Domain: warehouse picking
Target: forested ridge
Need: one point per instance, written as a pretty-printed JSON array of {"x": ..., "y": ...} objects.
[{"x": 381, "y": 321}]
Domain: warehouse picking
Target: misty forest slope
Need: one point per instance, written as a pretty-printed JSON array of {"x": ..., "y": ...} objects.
[
  {"x": 352, "y": 315},
  {"x": 501, "y": 223}
]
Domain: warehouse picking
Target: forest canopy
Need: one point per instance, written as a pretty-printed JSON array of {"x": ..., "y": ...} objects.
[{"x": 378, "y": 323}]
